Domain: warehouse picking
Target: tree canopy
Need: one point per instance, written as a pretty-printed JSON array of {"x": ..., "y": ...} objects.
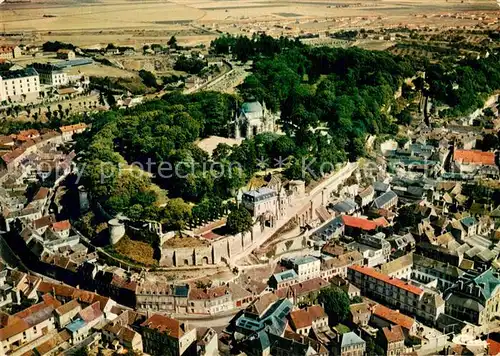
[
  {"x": 336, "y": 304},
  {"x": 239, "y": 221},
  {"x": 329, "y": 99}
]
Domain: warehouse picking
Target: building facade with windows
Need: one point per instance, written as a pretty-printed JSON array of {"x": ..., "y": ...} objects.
[
  {"x": 261, "y": 201},
  {"x": 164, "y": 336},
  {"x": 9, "y": 52},
  {"x": 475, "y": 298},
  {"x": 19, "y": 85},
  {"x": 51, "y": 74},
  {"x": 394, "y": 292}
]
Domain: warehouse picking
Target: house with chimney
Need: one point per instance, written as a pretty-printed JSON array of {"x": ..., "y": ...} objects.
[{"x": 164, "y": 336}]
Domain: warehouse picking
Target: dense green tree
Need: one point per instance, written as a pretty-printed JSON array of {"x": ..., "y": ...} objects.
[
  {"x": 407, "y": 217},
  {"x": 191, "y": 65},
  {"x": 336, "y": 304},
  {"x": 172, "y": 42},
  {"x": 239, "y": 221},
  {"x": 148, "y": 78}
]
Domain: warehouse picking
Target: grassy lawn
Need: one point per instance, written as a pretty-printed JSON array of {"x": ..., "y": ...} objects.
[
  {"x": 138, "y": 251},
  {"x": 342, "y": 329}
]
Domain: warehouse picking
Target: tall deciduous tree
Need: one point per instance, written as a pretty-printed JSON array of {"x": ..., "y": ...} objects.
[
  {"x": 336, "y": 304},
  {"x": 239, "y": 221}
]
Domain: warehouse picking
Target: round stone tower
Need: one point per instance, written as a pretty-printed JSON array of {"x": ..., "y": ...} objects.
[{"x": 116, "y": 230}]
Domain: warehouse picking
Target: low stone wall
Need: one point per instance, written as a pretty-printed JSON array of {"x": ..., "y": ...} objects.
[{"x": 216, "y": 252}]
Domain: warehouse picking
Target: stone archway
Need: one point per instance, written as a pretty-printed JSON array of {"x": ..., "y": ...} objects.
[{"x": 205, "y": 261}]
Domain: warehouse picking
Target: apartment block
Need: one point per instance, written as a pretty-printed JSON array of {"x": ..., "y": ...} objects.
[
  {"x": 394, "y": 292},
  {"x": 19, "y": 85}
]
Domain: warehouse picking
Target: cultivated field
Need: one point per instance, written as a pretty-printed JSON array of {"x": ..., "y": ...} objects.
[{"x": 89, "y": 22}]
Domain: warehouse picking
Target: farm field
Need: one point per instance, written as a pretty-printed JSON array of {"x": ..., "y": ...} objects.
[{"x": 133, "y": 23}]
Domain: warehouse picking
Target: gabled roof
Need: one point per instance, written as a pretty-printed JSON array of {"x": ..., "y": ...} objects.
[
  {"x": 351, "y": 339},
  {"x": 66, "y": 308},
  {"x": 302, "y": 318},
  {"x": 308, "y": 286},
  {"x": 474, "y": 157},
  {"x": 69, "y": 128},
  {"x": 380, "y": 186},
  {"x": 61, "y": 225},
  {"x": 260, "y": 305},
  {"x": 384, "y": 199},
  {"x": 393, "y": 316},
  {"x": 41, "y": 194},
  {"x": 164, "y": 325},
  {"x": 91, "y": 313},
  {"x": 396, "y": 282},
  {"x": 397, "y": 264},
  {"x": 394, "y": 333},
  {"x": 366, "y": 192},
  {"x": 359, "y": 223},
  {"x": 44, "y": 221}
]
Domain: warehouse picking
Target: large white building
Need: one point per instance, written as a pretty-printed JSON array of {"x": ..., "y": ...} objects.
[
  {"x": 261, "y": 201},
  {"x": 51, "y": 74},
  {"x": 19, "y": 85}
]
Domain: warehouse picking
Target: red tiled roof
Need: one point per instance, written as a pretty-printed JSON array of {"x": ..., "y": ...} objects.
[
  {"x": 25, "y": 135},
  {"x": 41, "y": 194},
  {"x": 493, "y": 347},
  {"x": 20, "y": 324},
  {"x": 6, "y": 140},
  {"x": 47, "y": 303},
  {"x": 6, "y": 319},
  {"x": 308, "y": 286},
  {"x": 216, "y": 292},
  {"x": 61, "y": 225},
  {"x": 66, "y": 308},
  {"x": 396, "y": 282},
  {"x": 68, "y": 128},
  {"x": 316, "y": 312},
  {"x": 56, "y": 289},
  {"x": 360, "y": 223},
  {"x": 10, "y": 156},
  {"x": 53, "y": 343},
  {"x": 300, "y": 319},
  {"x": 13, "y": 329},
  {"x": 393, "y": 316},
  {"x": 6, "y": 49},
  {"x": 91, "y": 312},
  {"x": 394, "y": 333},
  {"x": 475, "y": 157},
  {"x": 381, "y": 222},
  {"x": 164, "y": 324}
]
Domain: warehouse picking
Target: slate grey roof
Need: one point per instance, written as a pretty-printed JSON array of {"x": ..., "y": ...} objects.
[
  {"x": 345, "y": 206},
  {"x": 384, "y": 199},
  {"x": 22, "y": 73},
  {"x": 351, "y": 339},
  {"x": 259, "y": 194},
  {"x": 380, "y": 186}
]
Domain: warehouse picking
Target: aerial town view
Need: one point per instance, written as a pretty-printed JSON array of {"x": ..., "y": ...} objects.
[{"x": 249, "y": 177}]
